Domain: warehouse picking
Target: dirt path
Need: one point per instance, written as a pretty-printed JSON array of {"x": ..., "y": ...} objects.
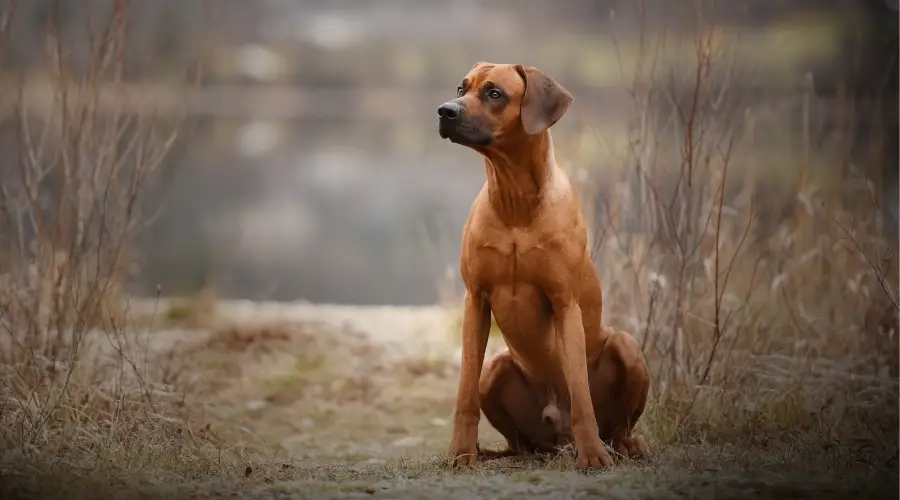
[{"x": 353, "y": 402}]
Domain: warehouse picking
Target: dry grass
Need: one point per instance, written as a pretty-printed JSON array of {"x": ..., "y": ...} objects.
[
  {"x": 751, "y": 305},
  {"x": 310, "y": 410},
  {"x": 79, "y": 385}
]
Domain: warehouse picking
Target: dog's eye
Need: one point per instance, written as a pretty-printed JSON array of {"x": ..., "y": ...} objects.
[
  {"x": 459, "y": 91},
  {"x": 495, "y": 94}
]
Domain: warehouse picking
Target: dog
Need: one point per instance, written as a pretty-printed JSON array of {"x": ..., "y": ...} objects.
[{"x": 525, "y": 259}]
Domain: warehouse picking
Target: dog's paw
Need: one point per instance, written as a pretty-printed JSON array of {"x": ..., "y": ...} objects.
[
  {"x": 632, "y": 447},
  {"x": 463, "y": 458},
  {"x": 593, "y": 456},
  {"x": 463, "y": 452},
  {"x": 638, "y": 448}
]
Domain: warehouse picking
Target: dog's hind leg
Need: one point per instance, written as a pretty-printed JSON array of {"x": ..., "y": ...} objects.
[
  {"x": 620, "y": 383},
  {"x": 512, "y": 406}
]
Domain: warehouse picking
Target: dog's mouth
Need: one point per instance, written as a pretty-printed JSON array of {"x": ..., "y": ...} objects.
[{"x": 463, "y": 135}]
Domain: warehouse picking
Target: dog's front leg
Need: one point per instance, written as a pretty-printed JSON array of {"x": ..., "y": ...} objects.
[
  {"x": 476, "y": 326},
  {"x": 570, "y": 338}
]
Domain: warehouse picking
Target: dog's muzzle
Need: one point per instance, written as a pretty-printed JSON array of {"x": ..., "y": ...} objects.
[
  {"x": 448, "y": 118},
  {"x": 456, "y": 125}
]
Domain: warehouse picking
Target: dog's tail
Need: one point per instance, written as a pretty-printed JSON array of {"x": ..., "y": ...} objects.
[{"x": 552, "y": 415}]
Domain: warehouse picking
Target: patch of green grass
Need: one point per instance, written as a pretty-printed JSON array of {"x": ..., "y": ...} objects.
[{"x": 192, "y": 311}]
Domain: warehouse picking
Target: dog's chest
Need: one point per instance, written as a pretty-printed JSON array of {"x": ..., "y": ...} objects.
[{"x": 510, "y": 256}]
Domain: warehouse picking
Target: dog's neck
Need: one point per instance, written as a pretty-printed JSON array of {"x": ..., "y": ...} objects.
[{"x": 516, "y": 177}]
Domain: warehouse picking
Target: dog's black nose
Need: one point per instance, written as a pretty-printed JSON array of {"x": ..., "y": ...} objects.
[{"x": 449, "y": 110}]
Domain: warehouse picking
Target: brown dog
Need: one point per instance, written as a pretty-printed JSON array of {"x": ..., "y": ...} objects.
[{"x": 525, "y": 259}]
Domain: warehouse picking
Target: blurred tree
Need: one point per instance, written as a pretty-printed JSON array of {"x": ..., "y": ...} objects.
[{"x": 866, "y": 71}]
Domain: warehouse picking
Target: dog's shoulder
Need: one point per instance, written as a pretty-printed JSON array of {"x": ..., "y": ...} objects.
[
  {"x": 558, "y": 189},
  {"x": 482, "y": 221},
  {"x": 560, "y": 207}
]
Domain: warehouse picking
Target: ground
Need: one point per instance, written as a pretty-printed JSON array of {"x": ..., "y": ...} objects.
[{"x": 348, "y": 402}]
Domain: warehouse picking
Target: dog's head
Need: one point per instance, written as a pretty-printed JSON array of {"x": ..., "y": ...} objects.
[{"x": 500, "y": 104}]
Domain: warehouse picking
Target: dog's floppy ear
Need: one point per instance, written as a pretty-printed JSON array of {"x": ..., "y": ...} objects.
[{"x": 544, "y": 102}]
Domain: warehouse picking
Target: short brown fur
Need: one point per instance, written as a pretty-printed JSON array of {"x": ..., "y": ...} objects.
[{"x": 525, "y": 259}]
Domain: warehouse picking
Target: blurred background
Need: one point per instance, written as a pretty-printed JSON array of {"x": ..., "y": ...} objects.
[
  {"x": 309, "y": 167},
  {"x": 736, "y": 162}
]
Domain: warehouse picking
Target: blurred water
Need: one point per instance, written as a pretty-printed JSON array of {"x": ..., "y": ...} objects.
[{"x": 327, "y": 212}]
